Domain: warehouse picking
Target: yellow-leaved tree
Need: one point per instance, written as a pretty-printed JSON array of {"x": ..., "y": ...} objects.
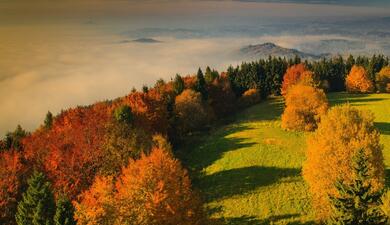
[
  {"x": 340, "y": 134},
  {"x": 383, "y": 80},
  {"x": 358, "y": 81},
  {"x": 97, "y": 204},
  {"x": 305, "y": 105}
]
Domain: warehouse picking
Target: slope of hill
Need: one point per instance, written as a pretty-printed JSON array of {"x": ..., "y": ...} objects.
[
  {"x": 249, "y": 171},
  {"x": 270, "y": 49}
]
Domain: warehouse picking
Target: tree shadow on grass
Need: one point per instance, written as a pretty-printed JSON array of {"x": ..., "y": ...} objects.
[
  {"x": 343, "y": 98},
  {"x": 228, "y": 183},
  {"x": 384, "y": 128},
  {"x": 270, "y": 109},
  {"x": 203, "y": 153},
  {"x": 251, "y": 220}
]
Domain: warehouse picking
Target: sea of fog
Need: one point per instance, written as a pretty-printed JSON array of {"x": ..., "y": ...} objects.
[{"x": 53, "y": 58}]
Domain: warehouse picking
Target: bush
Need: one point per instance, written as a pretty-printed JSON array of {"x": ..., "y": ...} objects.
[
  {"x": 340, "y": 134},
  {"x": 250, "y": 97},
  {"x": 358, "y": 81},
  {"x": 383, "y": 80},
  {"x": 304, "y": 107}
]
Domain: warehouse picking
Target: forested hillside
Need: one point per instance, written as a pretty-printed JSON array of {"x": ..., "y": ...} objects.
[{"x": 117, "y": 162}]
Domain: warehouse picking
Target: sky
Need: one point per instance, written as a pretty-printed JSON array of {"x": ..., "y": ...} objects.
[{"x": 59, "y": 54}]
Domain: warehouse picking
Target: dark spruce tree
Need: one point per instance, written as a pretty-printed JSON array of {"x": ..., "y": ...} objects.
[
  {"x": 13, "y": 140},
  {"x": 357, "y": 203},
  {"x": 48, "y": 120},
  {"x": 178, "y": 85},
  {"x": 64, "y": 212},
  {"x": 200, "y": 85},
  {"x": 123, "y": 114},
  {"x": 37, "y": 206}
]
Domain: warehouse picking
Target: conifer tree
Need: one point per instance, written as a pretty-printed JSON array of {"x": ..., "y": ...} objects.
[
  {"x": 357, "y": 203},
  {"x": 200, "y": 85},
  {"x": 178, "y": 85},
  {"x": 37, "y": 205},
  {"x": 48, "y": 120},
  {"x": 64, "y": 212}
]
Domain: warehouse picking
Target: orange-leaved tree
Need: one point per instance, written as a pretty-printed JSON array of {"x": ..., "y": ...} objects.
[
  {"x": 340, "y": 134},
  {"x": 304, "y": 107},
  {"x": 358, "y": 81},
  {"x": 294, "y": 75},
  {"x": 156, "y": 190},
  {"x": 383, "y": 80},
  {"x": 12, "y": 179},
  {"x": 96, "y": 205},
  {"x": 153, "y": 190}
]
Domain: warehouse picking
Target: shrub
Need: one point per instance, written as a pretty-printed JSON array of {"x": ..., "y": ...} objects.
[
  {"x": 358, "y": 81},
  {"x": 342, "y": 132},
  {"x": 250, "y": 97},
  {"x": 304, "y": 107},
  {"x": 383, "y": 80}
]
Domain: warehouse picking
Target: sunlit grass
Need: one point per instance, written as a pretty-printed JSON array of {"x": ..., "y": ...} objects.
[{"x": 249, "y": 172}]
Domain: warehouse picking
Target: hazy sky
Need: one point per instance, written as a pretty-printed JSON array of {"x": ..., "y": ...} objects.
[{"x": 60, "y": 54}]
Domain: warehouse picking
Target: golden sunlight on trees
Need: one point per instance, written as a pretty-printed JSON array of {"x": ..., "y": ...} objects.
[
  {"x": 358, "y": 81},
  {"x": 153, "y": 190},
  {"x": 383, "y": 80},
  {"x": 156, "y": 190},
  {"x": 304, "y": 107},
  {"x": 293, "y": 75},
  {"x": 97, "y": 203},
  {"x": 330, "y": 150}
]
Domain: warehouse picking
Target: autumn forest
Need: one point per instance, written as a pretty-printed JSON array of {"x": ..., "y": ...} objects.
[{"x": 123, "y": 161}]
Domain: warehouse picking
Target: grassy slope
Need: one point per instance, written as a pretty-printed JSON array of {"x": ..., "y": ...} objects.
[{"x": 249, "y": 171}]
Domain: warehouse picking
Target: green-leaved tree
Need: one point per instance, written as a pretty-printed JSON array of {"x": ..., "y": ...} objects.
[
  {"x": 357, "y": 203},
  {"x": 64, "y": 212},
  {"x": 37, "y": 206}
]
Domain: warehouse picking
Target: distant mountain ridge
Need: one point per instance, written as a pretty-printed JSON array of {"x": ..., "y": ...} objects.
[{"x": 271, "y": 49}]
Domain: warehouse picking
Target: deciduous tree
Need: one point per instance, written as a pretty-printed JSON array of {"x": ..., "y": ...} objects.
[
  {"x": 292, "y": 77},
  {"x": 96, "y": 205},
  {"x": 383, "y": 80},
  {"x": 186, "y": 104},
  {"x": 304, "y": 107},
  {"x": 358, "y": 81},
  {"x": 156, "y": 190},
  {"x": 12, "y": 179},
  {"x": 340, "y": 134}
]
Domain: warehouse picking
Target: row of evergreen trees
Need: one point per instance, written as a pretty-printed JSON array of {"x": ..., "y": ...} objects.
[{"x": 267, "y": 75}]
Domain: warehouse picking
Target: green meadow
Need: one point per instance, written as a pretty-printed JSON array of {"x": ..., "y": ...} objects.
[{"x": 249, "y": 171}]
